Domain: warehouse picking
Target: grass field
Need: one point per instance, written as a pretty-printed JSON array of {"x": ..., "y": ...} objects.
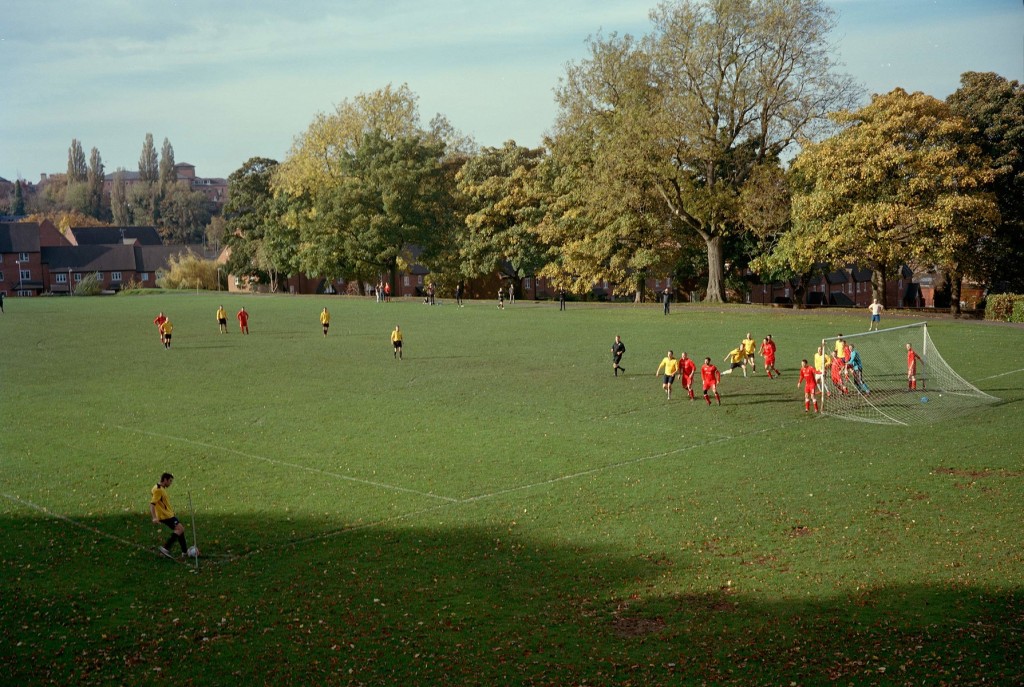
[{"x": 496, "y": 508}]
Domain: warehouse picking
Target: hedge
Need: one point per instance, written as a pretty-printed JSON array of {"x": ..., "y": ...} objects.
[{"x": 1005, "y": 307}]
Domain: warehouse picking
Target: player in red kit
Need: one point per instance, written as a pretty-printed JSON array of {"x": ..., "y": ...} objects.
[
  {"x": 912, "y": 358},
  {"x": 768, "y": 353},
  {"x": 838, "y": 368},
  {"x": 807, "y": 376},
  {"x": 711, "y": 377},
  {"x": 243, "y": 321},
  {"x": 687, "y": 368}
]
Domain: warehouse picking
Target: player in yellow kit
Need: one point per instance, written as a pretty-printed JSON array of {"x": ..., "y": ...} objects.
[
  {"x": 222, "y": 319},
  {"x": 749, "y": 347},
  {"x": 165, "y": 330},
  {"x": 160, "y": 511},
  {"x": 325, "y": 320},
  {"x": 396, "y": 342},
  {"x": 671, "y": 366}
]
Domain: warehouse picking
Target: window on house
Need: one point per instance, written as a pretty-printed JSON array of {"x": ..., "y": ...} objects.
[
  {"x": 23, "y": 257},
  {"x": 26, "y": 274},
  {"x": 405, "y": 280},
  {"x": 1, "y": 276},
  {"x": 61, "y": 278},
  {"x": 527, "y": 283},
  {"x": 657, "y": 283},
  {"x": 116, "y": 276},
  {"x": 144, "y": 276},
  {"x": 419, "y": 280},
  {"x": 78, "y": 276}
]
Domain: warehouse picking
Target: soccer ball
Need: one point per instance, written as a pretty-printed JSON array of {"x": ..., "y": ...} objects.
[
  {"x": 924, "y": 399},
  {"x": 193, "y": 552}
]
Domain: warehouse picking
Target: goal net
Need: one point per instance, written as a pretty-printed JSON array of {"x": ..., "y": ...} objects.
[{"x": 875, "y": 385}]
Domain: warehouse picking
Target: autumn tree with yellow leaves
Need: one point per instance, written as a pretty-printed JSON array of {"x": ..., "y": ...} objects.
[{"x": 902, "y": 183}]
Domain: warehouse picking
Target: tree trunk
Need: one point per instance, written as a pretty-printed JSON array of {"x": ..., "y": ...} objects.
[
  {"x": 956, "y": 281},
  {"x": 879, "y": 284},
  {"x": 638, "y": 288},
  {"x": 716, "y": 271}
]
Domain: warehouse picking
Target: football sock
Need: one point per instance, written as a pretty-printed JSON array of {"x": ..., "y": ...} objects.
[{"x": 717, "y": 398}]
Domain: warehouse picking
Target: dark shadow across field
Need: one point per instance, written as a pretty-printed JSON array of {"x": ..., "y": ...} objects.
[{"x": 464, "y": 605}]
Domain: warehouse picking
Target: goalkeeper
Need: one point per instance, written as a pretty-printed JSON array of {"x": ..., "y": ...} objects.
[{"x": 857, "y": 367}]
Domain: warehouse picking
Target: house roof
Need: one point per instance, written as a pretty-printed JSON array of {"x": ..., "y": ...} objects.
[
  {"x": 147, "y": 236},
  {"x": 90, "y": 258},
  {"x": 153, "y": 258},
  {"x": 19, "y": 237}
]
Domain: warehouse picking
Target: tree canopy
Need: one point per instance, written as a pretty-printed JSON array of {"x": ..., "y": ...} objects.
[
  {"x": 902, "y": 183},
  {"x": 688, "y": 112}
]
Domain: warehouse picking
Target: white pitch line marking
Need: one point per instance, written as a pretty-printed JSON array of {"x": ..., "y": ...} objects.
[
  {"x": 71, "y": 521},
  {"x": 610, "y": 466},
  {"x": 1002, "y": 374},
  {"x": 284, "y": 463}
]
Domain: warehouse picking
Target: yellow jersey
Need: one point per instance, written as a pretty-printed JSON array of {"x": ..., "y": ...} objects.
[
  {"x": 325, "y": 317},
  {"x": 749, "y": 346},
  {"x": 671, "y": 366},
  {"x": 167, "y": 327},
  {"x": 221, "y": 315},
  {"x": 820, "y": 361},
  {"x": 161, "y": 504},
  {"x": 396, "y": 336},
  {"x": 736, "y": 355}
]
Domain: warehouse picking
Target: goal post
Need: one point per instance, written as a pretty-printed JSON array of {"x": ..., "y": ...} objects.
[{"x": 875, "y": 383}]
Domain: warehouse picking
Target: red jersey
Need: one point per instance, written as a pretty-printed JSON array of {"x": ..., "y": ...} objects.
[
  {"x": 768, "y": 351},
  {"x": 243, "y": 317},
  {"x": 710, "y": 375},
  {"x": 912, "y": 358},
  {"x": 838, "y": 364},
  {"x": 159, "y": 321},
  {"x": 687, "y": 367},
  {"x": 807, "y": 375}
]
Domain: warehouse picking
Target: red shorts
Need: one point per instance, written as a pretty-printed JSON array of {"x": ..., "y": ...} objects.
[
  {"x": 810, "y": 388},
  {"x": 769, "y": 360}
]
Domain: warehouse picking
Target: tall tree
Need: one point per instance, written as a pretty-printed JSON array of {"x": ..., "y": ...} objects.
[
  {"x": 77, "y": 170},
  {"x": 498, "y": 232},
  {"x": 18, "y": 204},
  {"x": 994, "y": 105},
  {"x": 392, "y": 194},
  {"x": 168, "y": 175},
  {"x": 339, "y": 157},
  {"x": 262, "y": 244},
  {"x": 148, "y": 166},
  {"x": 901, "y": 183},
  {"x": 95, "y": 181},
  {"x": 119, "y": 210},
  {"x": 729, "y": 84},
  {"x": 183, "y": 214}
]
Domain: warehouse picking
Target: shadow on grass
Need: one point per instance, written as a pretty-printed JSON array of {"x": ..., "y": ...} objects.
[{"x": 451, "y": 605}]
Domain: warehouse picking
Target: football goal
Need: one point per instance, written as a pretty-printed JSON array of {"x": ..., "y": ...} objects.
[{"x": 874, "y": 384}]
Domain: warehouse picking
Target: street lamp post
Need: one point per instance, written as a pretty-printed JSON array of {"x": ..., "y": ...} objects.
[
  {"x": 18, "y": 263},
  {"x": 70, "y": 290}
]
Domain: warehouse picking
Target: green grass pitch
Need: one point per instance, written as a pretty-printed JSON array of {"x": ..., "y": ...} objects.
[{"x": 496, "y": 508}]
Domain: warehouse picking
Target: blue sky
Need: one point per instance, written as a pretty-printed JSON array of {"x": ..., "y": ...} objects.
[{"x": 225, "y": 81}]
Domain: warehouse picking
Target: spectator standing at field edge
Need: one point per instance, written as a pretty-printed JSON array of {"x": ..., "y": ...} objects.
[{"x": 875, "y": 309}]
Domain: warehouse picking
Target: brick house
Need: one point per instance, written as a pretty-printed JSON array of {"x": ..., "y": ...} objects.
[{"x": 21, "y": 266}]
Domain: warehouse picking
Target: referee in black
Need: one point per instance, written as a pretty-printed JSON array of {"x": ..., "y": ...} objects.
[{"x": 618, "y": 349}]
